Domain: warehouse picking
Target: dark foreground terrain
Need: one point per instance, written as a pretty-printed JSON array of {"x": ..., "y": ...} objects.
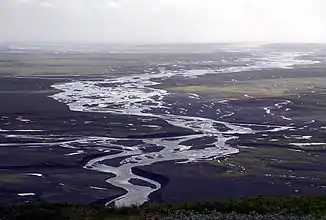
[
  {"x": 114, "y": 129},
  {"x": 295, "y": 208}
]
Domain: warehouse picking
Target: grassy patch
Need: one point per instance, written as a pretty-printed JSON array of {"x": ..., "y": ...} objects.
[
  {"x": 298, "y": 206},
  {"x": 262, "y": 161},
  {"x": 11, "y": 178},
  {"x": 262, "y": 88}
]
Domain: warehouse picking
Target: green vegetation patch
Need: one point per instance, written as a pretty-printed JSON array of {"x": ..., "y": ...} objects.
[
  {"x": 262, "y": 88},
  {"x": 11, "y": 178},
  {"x": 270, "y": 161},
  {"x": 315, "y": 207}
]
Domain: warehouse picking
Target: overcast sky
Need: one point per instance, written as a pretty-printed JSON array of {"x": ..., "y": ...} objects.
[{"x": 163, "y": 21}]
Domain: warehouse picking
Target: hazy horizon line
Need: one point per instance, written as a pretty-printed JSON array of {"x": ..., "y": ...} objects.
[{"x": 155, "y": 43}]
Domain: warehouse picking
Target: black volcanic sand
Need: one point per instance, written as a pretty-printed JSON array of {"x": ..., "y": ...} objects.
[
  {"x": 55, "y": 118},
  {"x": 202, "y": 181},
  {"x": 268, "y": 164},
  {"x": 64, "y": 179}
]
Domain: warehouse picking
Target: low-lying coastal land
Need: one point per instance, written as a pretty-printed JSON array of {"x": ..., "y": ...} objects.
[{"x": 132, "y": 127}]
